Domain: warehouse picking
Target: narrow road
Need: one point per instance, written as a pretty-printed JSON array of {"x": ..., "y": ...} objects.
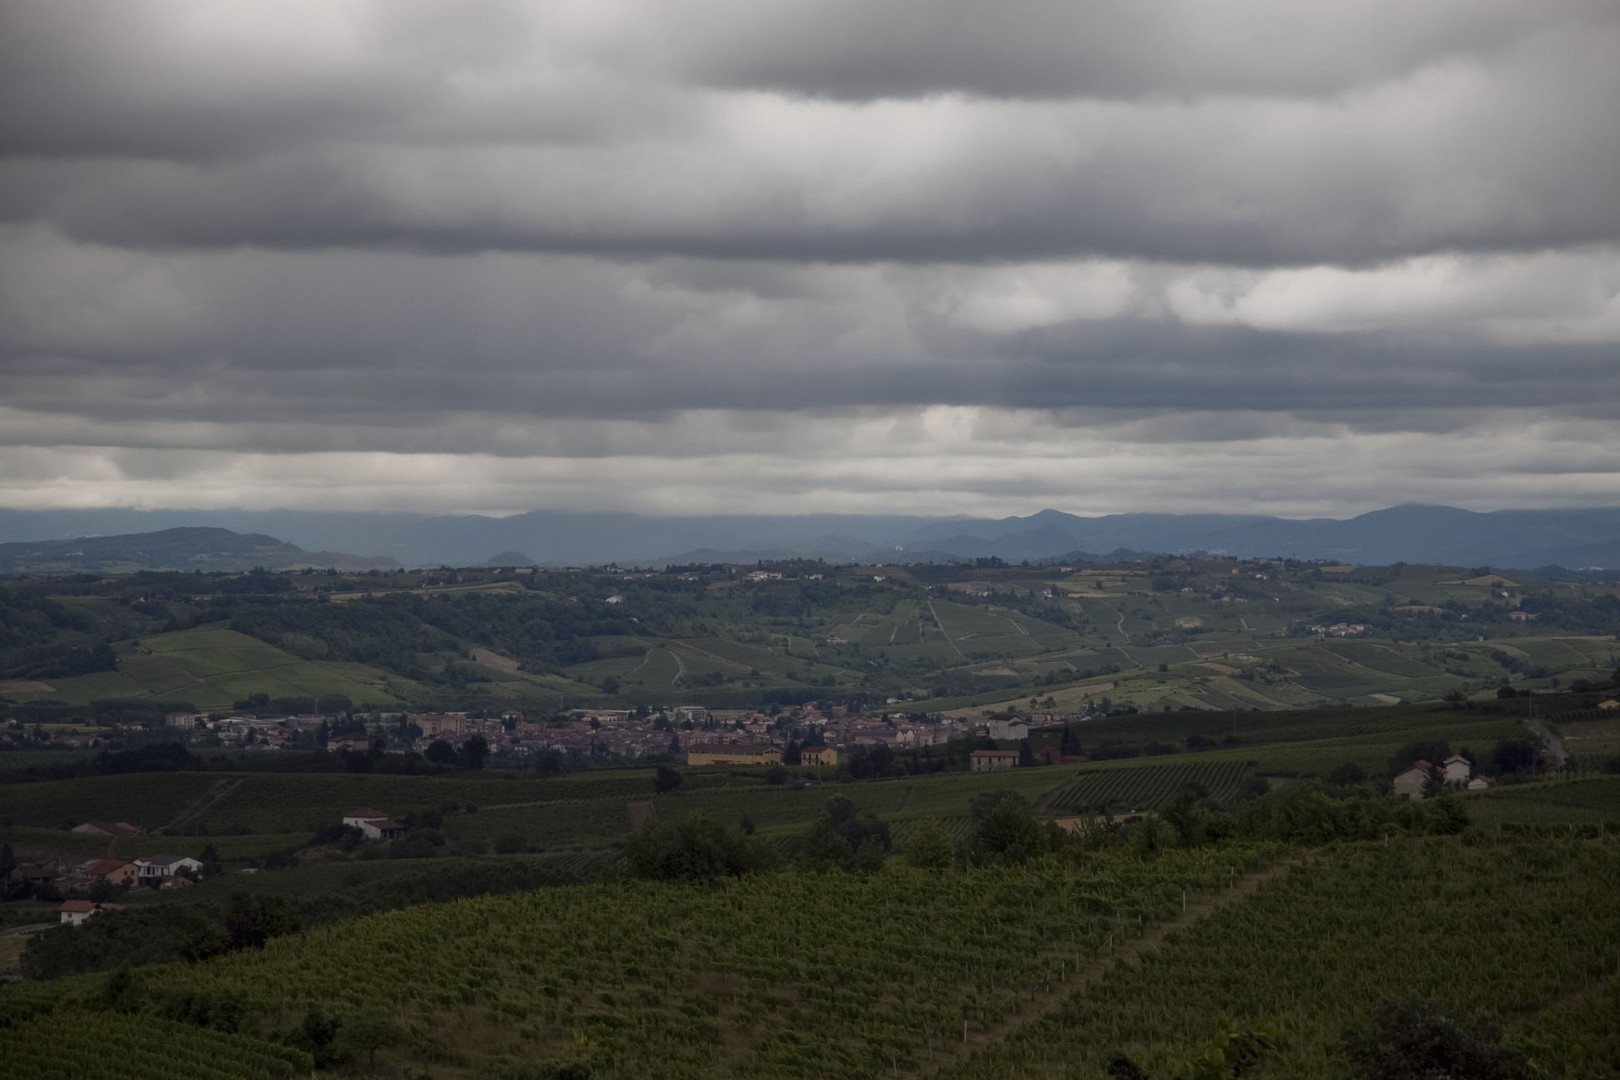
[
  {"x": 1119, "y": 619},
  {"x": 197, "y": 809},
  {"x": 941, "y": 626}
]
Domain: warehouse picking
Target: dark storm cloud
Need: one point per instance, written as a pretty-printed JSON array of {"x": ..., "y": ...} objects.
[
  {"x": 1059, "y": 48},
  {"x": 388, "y": 349},
  {"x": 1167, "y": 132}
]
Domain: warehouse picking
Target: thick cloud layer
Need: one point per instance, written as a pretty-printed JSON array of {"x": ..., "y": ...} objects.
[{"x": 831, "y": 256}]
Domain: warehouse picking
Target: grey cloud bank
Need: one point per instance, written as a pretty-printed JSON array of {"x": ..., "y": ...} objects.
[{"x": 716, "y": 257}]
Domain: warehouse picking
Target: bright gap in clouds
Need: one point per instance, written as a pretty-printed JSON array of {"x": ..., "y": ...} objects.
[{"x": 939, "y": 461}]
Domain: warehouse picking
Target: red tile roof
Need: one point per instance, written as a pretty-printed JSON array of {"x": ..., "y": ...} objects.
[
  {"x": 103, "y": 867},
  {"x": 84, "y": 907}
]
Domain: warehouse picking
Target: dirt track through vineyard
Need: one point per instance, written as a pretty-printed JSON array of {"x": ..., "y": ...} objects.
[
  {"x": 210, "y": 798},
  {"x": 1050, "y": 996}
]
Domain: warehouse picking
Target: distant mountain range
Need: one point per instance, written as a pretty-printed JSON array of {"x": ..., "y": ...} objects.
[
  {"x": 195, "y": 548},
  {"x": 1508, "y": 539}
]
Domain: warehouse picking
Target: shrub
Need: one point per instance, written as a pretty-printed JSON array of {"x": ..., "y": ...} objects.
[{"x": 1414, "y": 1039}]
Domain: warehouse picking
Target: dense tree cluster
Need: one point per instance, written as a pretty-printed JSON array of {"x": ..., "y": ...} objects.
[{"x": 697, "y": 848}]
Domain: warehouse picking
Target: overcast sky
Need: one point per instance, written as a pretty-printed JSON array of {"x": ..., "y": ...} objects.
[{"x": 849, "y": 255}]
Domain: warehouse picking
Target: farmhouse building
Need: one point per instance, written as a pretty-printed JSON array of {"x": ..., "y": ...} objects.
[
  {"x": 112, "y": 871},
  {"x": 107, "y": 828},
  {"x": 435, "y": 723},
  {"x": 818, "y": 755},
  {"x": 38, "y": 873},
  {"x": 164, "y": 871},
  {"x": 992, "y": 760},
  {"x": 374, "y": 824},
  {"x": 1007, "y": 727},
  {"x": 1414, "y": 782},
  {"x": 1457, "y": 769},
  {"x": 74, "y": 912}
]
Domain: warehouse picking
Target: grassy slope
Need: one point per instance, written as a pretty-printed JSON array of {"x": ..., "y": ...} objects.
[{"x": 212, "y": 667}]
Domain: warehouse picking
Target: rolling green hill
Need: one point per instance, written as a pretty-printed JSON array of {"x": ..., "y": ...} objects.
[
  {"x": 191, "y": 549},
  {"x": 213, "y": 667},
  {"x": 1160, "y": 635}
]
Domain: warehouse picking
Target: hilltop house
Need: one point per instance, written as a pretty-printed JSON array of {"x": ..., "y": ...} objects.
[
  {"x": 375, "y": 824},
  {"x": 992, "y": 760}
]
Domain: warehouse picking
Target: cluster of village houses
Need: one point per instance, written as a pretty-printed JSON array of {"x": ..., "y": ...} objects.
[
  {"x": 693, "y": 733},
  {"x": 148, "y": 871},
  {"x": 1338, "y": 629},
  {"x": 701, "y": 736},
  {"x": 1416, "y": 781}
]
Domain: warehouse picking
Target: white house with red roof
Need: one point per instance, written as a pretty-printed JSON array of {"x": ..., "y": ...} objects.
[
  {"x": 375, "y": 824},
  {"x": 74, "y": 912}
]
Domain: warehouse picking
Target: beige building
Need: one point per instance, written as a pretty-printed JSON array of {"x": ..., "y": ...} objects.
[
  {"x": 439, "y": 723},
  {"x": 113, "y": 871},
  {"x": 737, "y": 754},
  {"x": 373, "y": 824},
  {"x": 818, "y": 755},
  {"x": 992, "y": 760},
  {"x": 1413, "y": 783}
]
